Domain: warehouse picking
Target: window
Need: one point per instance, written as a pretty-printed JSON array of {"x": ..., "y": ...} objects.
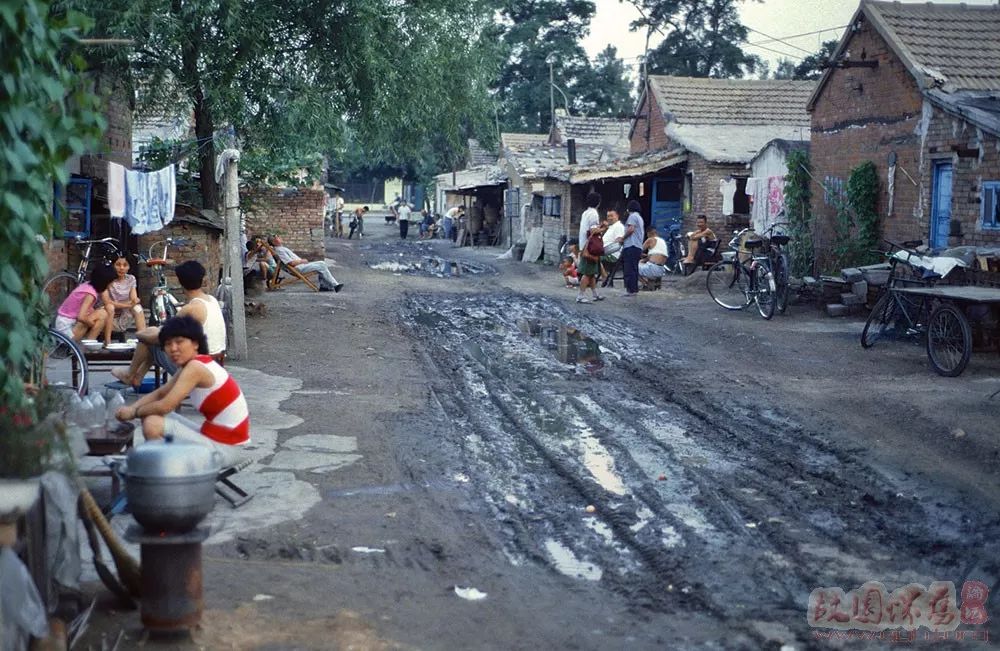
[
  {"x": 512, "y": 202},
  {"x": 741, "y": 201},
  {"x": 552, "y": 205},
  {"x": 991, "y": 205}
]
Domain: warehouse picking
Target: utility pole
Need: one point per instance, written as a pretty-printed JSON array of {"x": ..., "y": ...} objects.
[
  {"x": 551, "y": 59},
  {"x": 233, "y": 262}
]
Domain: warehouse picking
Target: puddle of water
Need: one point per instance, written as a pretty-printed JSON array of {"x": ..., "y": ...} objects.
[
  {"x": 567, "y": 563},
  {"x": 566, "y": 343},
  {"x": 598, "y": 460},
  {"x": 430, "y": 265}
]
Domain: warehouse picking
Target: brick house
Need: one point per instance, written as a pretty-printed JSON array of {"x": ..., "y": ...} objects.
[
  {"x": 295, "y": 213},
  {"x": 690, "y": 144},
  {"x": 915, "y": 89}
]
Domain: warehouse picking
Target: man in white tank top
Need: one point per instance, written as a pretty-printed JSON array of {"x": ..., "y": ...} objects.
[
  {"x": 656, "y": 256},
  {"x": 199, "y": 305}
]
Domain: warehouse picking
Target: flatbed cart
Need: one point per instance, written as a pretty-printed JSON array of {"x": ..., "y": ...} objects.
[{"x": 949, "y": 334}]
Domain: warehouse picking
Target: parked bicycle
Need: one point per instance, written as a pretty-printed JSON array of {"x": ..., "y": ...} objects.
[
  {"x": 162, "y": 304},
  {"x": 60, "y": 284},
  {"x": 60, "y": 364},
  {"x": 780, "y": 264},
  {"x": 901, "y": 314},
  {"x": 735, "y": 282},
  {"x": 676, "y": 251}
]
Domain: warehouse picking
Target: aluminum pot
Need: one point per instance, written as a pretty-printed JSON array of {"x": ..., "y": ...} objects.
[{"x": 171, "y": 484}]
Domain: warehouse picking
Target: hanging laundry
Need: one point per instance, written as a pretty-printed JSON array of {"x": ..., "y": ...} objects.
[
  {"x": 757, "y": 191},
  {"x": 116, "y": 190},
  {"x": 149, "y": 199},
  {"x": 727, "y": 187},
  {"x": 775, "y": 197}
]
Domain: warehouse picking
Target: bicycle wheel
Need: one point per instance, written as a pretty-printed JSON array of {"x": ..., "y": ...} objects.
[
  {"x": 58, "y": 286},
  {"x": 729, "y": 285},
  {"x": 764, "y": 294},
  {"x": 781, "y": 281},
  {"x": 63, "y": 365},
  {"x": 949, "y": 340},
  {"x": 880, "y": 321}
]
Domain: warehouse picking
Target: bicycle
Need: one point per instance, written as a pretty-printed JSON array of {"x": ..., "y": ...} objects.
[
  {"x": 734, "y": 285},
  {"x": 61, "y": 364},
  {"x": 162, "y": 304},
  {"x": 780, "y": 264},
  {"x": 60, "y": 284},
  {"x": 898, "y": 313}
]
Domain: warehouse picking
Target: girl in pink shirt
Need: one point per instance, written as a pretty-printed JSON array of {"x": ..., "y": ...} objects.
[{"x": 81, "y": 316}]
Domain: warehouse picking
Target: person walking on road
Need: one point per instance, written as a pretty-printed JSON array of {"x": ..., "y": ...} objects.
[
  {"x": 632, "y": 248},
  {"x": 358, "y": 222},
  {"x": 590, "y": 258},
  {"x": 403, "y": 215}
]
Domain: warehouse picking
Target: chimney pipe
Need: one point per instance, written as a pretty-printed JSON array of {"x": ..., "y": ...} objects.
[{"x": 571, "y": 150}]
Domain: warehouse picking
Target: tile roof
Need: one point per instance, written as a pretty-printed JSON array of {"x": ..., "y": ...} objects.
[
  {"x": 628, "y": 167},
  {"x": 552, "y": 161},
  {"x": 479, "y": 155},
  {"x": 595, "y": 131},
  {"x": 522, "y": 139},
  {"x": 981, "y": 109},
  {"x": 695, "y": 100},
  {"x": 956, "y": 46}
]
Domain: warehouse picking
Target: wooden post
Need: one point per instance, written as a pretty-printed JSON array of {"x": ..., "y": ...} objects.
[{"x": 233, "y": 266}]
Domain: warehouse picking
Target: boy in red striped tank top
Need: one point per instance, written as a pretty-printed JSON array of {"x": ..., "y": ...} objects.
[{"x": 213, "y": 392}]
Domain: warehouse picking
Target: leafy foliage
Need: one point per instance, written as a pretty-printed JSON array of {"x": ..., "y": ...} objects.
[
  {"x": 812, "y": 66},
  {"x": 290, "y": 77},
  {"x": 701, "y": 38},
  {"x": 856, "y": 224},
  {"x": 799, "y": 214},
  {"x": 48, "y": 115},
  {"x": 606, "y": 91}
]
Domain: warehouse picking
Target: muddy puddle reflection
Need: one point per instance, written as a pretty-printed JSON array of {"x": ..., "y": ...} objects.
[
  {"x": 566, "y": 343},
  {"x": 430, "y": 266}
]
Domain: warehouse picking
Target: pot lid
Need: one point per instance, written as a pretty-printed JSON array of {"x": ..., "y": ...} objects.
[{"x": 171, "y": 458}]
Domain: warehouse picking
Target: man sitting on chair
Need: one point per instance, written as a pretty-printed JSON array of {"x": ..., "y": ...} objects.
[
  {"x": 212, "y": 390},
  {"x": 327, "y": 283},
  {"x": 697, "y": 238},
  {"x": 199, "y": 305}
]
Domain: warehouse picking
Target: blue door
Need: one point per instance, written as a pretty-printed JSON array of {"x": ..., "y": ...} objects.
[
  {"x": 940, "y": 205},
  {"x": 666, "y": 205}
]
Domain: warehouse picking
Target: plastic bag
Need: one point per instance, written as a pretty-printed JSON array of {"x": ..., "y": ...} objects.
[{"x": 23, "y": 611}]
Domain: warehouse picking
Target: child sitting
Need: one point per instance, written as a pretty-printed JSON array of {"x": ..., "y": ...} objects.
[
  {"x": 122, "y": 296},
  {"x": 80, "y": 316},
  {"x": 568, "y": 266}
]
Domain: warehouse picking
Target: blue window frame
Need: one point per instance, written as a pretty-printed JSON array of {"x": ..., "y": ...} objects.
[
  {"x": 990, "y": 205},
  {"x": 552, "y": 205}
]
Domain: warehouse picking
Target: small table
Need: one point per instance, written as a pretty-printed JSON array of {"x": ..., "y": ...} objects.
[{"x": 107, "y": 359}]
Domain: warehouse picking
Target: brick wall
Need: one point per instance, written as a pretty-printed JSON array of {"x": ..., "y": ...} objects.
[
  {"x": 706, "y": 198},
  {"x": 975, "y": 158},
  {"x": 117, "y": 139},
  {"x": 650, "y": 132},
  {"x": 206, "y": 248},
  {"x": 864, "y": 114},
  {"x": 296, "y": 214}
]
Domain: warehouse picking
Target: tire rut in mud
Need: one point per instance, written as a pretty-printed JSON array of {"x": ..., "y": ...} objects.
[{"x": 702, "y": 498}]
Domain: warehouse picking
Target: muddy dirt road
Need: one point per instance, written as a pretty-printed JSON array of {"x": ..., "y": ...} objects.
[{"x": 647, "y": 473}]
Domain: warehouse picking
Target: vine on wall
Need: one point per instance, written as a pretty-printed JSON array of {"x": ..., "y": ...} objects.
[
  {"x": 856, "y": 225},
  {"x": 48, "y": 115},
  {"x": 799, "y": 214}
]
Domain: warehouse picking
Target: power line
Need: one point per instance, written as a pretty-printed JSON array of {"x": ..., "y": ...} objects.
[
  {"x": 757, "y": 31},
  {"x": 818, "y": 31},
  {"x": 784, "y": 54}
]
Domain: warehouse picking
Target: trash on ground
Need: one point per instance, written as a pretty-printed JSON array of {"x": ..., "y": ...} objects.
[{"x": 470, "y": 594}]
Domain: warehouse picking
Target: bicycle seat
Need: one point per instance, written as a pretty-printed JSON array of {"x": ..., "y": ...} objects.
[
  {"x": 780, "y": 240},
  {"x": 152, "y": 262},
  {"x": 753, "y": 244}
]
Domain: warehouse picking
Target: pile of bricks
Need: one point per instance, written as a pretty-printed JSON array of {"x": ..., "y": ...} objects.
[{"x": 855, "y": 288}]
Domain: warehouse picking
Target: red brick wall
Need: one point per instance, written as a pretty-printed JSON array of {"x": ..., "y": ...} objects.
[
  {"x": 705, "y": 196},
  {"x": 863, "y": 114},
  {"x": 296, "y": 214},
  {"x": 650, "y": 133},
  {"x": 206, "y": 249}
]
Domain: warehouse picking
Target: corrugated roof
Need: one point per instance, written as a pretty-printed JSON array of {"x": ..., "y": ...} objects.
[
  {"x": 594, "y": 131},
  {"x": 982, "y": 110},
  {"x": 485, "y": 175},
  {"x": 955, "y": 46},
  {"x": 696, "y": 100}
]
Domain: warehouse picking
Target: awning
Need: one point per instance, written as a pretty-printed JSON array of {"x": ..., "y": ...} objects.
[
  {"x": 632, "y": 167},
  {"x": 486, "y": 176}
]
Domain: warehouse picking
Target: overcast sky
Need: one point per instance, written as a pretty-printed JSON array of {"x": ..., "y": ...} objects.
[{"x": 779, "y": 18}]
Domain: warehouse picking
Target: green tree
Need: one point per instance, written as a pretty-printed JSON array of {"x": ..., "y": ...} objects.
[
  {"x": 291, "y": 76},
  {"x": 529, "y": 31},
  {"x": 48, "y": 115},
  {"x": 813, "y": 66},
  {"x": 785, "y": 69},
  {"x": 701, "y": 38},
  {"x": 798, "y": 193},
  {"x": 605, "y": 90}
]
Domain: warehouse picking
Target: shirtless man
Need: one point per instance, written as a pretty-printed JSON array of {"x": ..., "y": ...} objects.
[
  {"x": 199, "y": 305},
  {"x": 702, "y": 233}
]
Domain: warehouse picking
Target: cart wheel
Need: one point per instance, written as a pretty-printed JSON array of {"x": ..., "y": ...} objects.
[{"x": 949, "y": 340}]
